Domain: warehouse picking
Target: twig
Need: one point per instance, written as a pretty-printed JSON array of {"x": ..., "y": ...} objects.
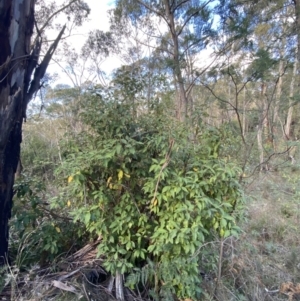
[
  {"x": 85, "y": 292},
  {"x": 219, "y": 266},
  {"x": 167, "y": 160},
  {"x": 6, "y": 63},
  {"x": 271, "y": 292},
  {"x": 68, "y": 275}
]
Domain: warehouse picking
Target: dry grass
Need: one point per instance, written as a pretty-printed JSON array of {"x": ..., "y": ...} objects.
[{"x": 264, "y": 262}]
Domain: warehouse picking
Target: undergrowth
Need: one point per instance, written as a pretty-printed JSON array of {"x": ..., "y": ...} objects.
[
  {"x": 263, "y": 263},
  {"x": 265, "y": 259}
]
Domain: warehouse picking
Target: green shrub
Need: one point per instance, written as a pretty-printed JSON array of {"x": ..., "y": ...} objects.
[
  {"x": 39, "y": 233},
  {"x": 149, "y": 192}
]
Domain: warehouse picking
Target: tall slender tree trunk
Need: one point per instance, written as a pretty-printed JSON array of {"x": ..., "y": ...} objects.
[
  {"x": 291, "y": 95},
  {"x": 244, "y": 121},
  {"x": 274, "y": 126},
  {"x": 19, "y": 79},
  {"x": 278, "y": 92},
  {"x": 287, "y": 128},
  {"x": 262, "y": 126},
  {"x": 183, "y": 99},
  {"x": 297, "y": 13}
]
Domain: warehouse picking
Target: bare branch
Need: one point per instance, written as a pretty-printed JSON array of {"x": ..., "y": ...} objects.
[
  {"x": 40, "y": 72},
  {"x": 55, "y": 14},
  {"x": 153, "y": 10},
  {"x": 178, "y": 5},
  {"x": 191, "y": 16}
]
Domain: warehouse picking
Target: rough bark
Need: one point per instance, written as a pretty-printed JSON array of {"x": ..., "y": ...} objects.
[
  {"x": 17, "y": 86},
  {"x": 16, "y": 28}
]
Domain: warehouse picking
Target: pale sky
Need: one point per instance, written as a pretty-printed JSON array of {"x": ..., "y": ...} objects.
[
  {"x": 98, "y": 14},
  {"x": 98, "y": 19}
]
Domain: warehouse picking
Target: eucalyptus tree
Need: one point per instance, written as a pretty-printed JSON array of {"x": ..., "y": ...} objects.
[
  {"x": 178, "y": 28},
  {"x": 266, "y": 32},
  {"x": 21, "y": 70}
]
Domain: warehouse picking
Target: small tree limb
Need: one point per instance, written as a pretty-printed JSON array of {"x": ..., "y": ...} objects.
[{"x": 40, "y": 71}]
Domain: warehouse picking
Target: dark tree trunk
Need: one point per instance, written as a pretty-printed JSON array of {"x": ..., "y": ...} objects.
[
  {"x": 16, "y": 27},
  {"x": 20, "y": 77}
]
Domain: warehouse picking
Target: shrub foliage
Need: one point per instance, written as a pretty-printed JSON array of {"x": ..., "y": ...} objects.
[{"x": 152, "y": 188}]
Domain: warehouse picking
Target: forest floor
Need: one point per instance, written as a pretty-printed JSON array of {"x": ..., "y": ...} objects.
[{"x": 263, "y": 263}]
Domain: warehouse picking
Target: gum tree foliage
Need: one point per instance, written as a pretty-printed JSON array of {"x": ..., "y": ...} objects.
[
  {"x": 21, "y": 72},
  {"x": 142, "y": 84},
  {"x": 260, "y": 42},
  {"x": 151, "y": 194},
  {"x": 186, "y": 29}
]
